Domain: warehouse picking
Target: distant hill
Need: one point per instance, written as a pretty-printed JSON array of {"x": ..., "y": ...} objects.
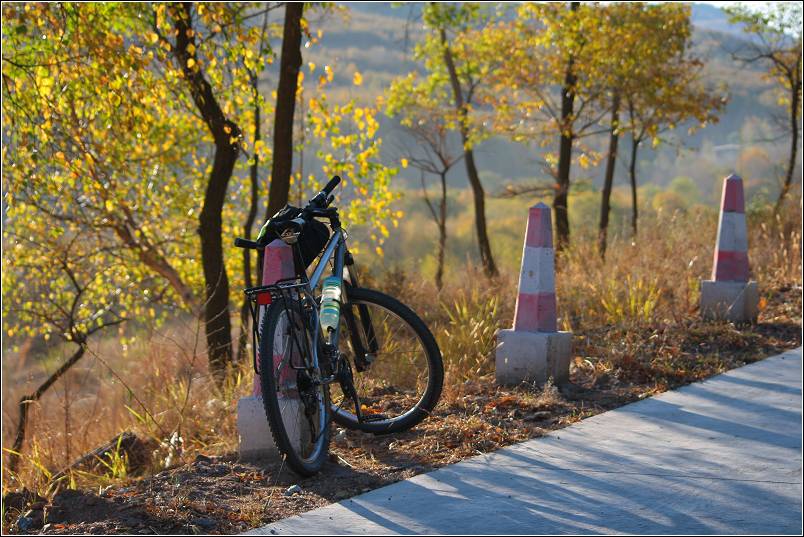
[{"x": 709, "y": 17}]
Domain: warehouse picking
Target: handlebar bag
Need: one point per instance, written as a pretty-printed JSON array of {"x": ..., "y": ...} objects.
[{"x": 312, "y": 239}]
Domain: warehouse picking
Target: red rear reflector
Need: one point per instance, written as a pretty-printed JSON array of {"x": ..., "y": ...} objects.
[{"x": 263, "y": 299}]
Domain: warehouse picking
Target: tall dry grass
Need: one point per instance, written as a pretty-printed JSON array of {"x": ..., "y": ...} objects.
[
  {"x": 645, "y": 285},
  {"x": 627, "y": 311}
]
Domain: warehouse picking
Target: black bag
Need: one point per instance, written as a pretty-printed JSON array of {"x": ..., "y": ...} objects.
[{"x": 312, "y": 240}]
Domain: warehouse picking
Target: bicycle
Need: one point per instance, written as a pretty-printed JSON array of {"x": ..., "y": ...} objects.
[{"x": 346, "y": 354}]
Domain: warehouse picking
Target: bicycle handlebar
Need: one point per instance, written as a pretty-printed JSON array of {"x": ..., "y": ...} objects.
[
  {"x": 245, "y": 243},
  {"x": 329, "y": 187},
  {"x": 322, "y": 200}
]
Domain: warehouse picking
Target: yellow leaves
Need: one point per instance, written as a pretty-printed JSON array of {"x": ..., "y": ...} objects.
[
  {"x": 260, "y": 148},
  {"x": 371, "y": 126},
  {"x": 190, "y": 63},
  {"x": 379, "y": 251},
  {"x": 357, "y": 79},
  {"x": 311, "y": 66},
  {"x": 329, "y": 73},
  {"x": 584, "y": 161},
  {"x": 404, "y": 162}
]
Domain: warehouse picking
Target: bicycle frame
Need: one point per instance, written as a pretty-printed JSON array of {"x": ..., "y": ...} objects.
[
  {"x": 336, "y": 246},
  {"x": 335, "y": 249}
]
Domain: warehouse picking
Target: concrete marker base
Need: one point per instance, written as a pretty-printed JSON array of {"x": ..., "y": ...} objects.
[
  {"x": 256, "y": 441},
  {"x": 532, "y": 357},
  {"x": 737, "y": 302}
]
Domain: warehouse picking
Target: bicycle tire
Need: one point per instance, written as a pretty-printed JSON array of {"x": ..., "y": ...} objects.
[{"x": 273, "y": 411}]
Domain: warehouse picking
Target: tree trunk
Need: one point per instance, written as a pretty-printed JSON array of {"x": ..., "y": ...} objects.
[
  {"x": 560, "y": 199},
  {"x": 608, "y": 182},
  {"x": 442, "y": 232},
  {"x": 226, "y": 134},
  {"x": 632, "y": 175},
  {"x": 795, "y": 99},
  {"x": 486, "y": 257},
  {"x": 290, "y": 62},
  {"x": 245, "y": 314},
  {"x": 217, "y": 324},
  {"x": 26, "y": 401}
]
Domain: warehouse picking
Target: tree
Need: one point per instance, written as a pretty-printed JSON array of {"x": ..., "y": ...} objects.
[
  {"x": 649, "y": 68},
  {"x": 289, "y": 65},
  {"x": 664, "y": 88},
  {"x": 87, "y": 145},
  {"x": 776, "y": 43},
  {"x": 106, "y": 135},
  {"x": 547, "y": 49},
  {"x": 195, "y": 53},
  {"x": 451, "y": 58},
  {"x": 254, "y": 68},
  {"x": 91, "y": 145},
  {"x": 426, "y": 125},
  {"x": 225, "y": 134}
]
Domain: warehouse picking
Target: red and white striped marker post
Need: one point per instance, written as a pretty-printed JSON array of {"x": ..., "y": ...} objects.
[
  {"x": 536, "y": 302},
  {"x": 252, "y": 425},
  {"x": 730, "y": 295},
  {"x": 534, "y": 350}
]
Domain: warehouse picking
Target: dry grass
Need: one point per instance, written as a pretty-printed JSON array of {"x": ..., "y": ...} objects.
[{"x": 634, "y": 317}]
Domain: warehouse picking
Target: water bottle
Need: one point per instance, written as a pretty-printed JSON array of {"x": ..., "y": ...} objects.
[{"x": 330, "y": 313}]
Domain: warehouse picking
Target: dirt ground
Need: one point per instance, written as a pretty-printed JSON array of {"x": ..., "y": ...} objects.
[{"x": 220, "y": 495}]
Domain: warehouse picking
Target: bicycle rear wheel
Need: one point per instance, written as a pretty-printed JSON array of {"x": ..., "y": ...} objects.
[
  {"x": 296, "y": 403},
  {"x": 402, "y": 383}
]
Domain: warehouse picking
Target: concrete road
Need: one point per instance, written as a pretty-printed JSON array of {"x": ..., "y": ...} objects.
[{"x": 720, "y": 456}]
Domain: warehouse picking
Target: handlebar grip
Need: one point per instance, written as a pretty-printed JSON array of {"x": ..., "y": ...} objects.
[
  {"x": 332, "y": 184},
  {"x": 244, "y": 243}
]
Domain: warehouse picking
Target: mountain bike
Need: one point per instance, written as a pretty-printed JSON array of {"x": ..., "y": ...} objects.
[{"x": 343, "y": 353}]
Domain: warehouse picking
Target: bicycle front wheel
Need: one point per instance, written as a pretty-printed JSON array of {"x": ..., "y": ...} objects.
[
  {"x": 396, "y": 365},
  {"x": 296, "y": 402}
]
